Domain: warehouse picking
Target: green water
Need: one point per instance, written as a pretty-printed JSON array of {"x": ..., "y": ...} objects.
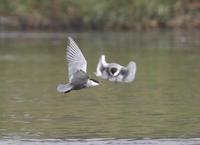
[{"x": 162, "y": 102}]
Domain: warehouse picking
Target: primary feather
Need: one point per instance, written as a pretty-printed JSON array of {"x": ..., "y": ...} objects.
[{"x": 75, "y": 58}]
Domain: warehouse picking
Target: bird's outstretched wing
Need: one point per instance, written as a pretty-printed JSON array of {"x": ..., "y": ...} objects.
[
  {"x": 128, "y": 72},
  {"x": 101, "y": 66},
  {"x": 75, "y": 58}
]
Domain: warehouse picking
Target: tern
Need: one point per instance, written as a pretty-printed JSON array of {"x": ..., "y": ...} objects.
[
  {"x": 115, "y": 72},
  {"x": 77, "y": 70}
]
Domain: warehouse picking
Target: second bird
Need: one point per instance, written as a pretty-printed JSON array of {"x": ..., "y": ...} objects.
[{"x": 115, "y": 72}]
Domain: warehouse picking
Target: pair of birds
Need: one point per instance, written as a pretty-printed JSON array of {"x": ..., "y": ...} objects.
[{"x": 77, "y": 70}]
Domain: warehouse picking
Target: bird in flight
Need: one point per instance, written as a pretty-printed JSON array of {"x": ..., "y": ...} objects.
[
  {"x": 115, "y": 72},
  {"x": 77, "y": 70}
]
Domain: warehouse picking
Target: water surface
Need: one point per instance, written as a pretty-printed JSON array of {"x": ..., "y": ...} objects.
[{"x": 163, "y": 101}]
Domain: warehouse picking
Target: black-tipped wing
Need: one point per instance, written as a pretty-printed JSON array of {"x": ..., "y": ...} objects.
[{"x": 75, "y": 58}]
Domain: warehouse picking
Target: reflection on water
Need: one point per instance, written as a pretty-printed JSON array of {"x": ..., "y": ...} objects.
[{"x": 162, "y": 102}]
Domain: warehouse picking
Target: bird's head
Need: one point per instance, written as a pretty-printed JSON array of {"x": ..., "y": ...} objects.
[{"x": 92, "y": 83}]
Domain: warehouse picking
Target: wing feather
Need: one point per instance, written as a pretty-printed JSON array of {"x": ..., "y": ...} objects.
[
  {"x": 75, "y": 58},
  {"x": 101, "y": 66},
  {"x": 128, "y": 72}
]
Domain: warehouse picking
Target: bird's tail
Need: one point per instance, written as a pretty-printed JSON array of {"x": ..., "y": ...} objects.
[{"x": 64, "y": 88}]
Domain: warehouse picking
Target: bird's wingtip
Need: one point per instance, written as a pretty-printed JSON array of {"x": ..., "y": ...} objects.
[
  {"x": 98, "y": 74},
  {"x": 103, "y": 55},
  {"x": 70, "y": 38},
  {"x": 132, "y": 63}
]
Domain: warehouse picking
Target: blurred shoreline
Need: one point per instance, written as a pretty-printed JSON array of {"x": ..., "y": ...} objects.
[{"x": 138, "y": 15}]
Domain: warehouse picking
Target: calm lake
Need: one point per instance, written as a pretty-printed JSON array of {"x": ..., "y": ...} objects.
[{"x": 163, "y": 102}]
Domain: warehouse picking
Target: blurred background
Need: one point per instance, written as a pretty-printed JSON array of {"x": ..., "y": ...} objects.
[{"x": 99, "y": 15}]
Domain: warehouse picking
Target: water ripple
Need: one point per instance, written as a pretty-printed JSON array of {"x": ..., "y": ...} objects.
[{"x": 101, "y": 141}]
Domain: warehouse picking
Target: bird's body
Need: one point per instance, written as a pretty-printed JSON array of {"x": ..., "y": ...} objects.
[
  {"x": 77, "y": 70},
  {"x": 115, "y": 72}
]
